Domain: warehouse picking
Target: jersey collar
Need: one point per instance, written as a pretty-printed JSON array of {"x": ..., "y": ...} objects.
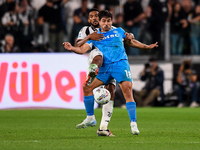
[{"x": 99, "y": 30}]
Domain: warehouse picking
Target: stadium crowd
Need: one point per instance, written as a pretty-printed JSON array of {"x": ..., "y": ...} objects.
[{"x": 42, "y": 26}]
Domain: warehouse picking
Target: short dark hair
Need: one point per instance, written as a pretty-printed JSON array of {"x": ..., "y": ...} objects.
[
  {"x": 50, "y": 1},
  {"x": 105, "y": 13},
  {"x": 93, "y": 9},
  {"x": 152, "y": 59},
  {"x": 187, "y": 64}
]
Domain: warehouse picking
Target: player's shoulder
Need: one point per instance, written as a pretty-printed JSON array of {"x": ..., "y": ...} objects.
[
  {"x": 118, "y": 29},
  {"x": 84, "y": 28},
  {"x": 113, "y": 27}
]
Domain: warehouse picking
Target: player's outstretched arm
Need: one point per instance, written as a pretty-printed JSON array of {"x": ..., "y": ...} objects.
[
  {"x": 79, "y": 50},
  {"x": 137, "y": 44}
]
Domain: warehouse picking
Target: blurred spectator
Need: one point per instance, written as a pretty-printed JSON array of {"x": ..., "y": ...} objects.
[
  {"x": 176, "y": 30},
  {"x": 195, "y": 30},
  {"x": 44, "y": 48},
  {"x": 157, "y": 12},
  {"x": 80, "y": 19},
  {"x": 7, "y": 46},
  {"x": 3, "y": 9},
  {"x": 107, "y": 5},
  {"x": 12, "y": 22},
  {"x": 51, "y": 13},
  {"x": 28, "y": 16},
  {"x": 133, "y": 14},
  {"x": 69, "y": 8},
  {"x": 4, "y": 6},
  {"x": 119, "y": 21},
  {"x": 153, "y": 76},
  {"x": 186, "y": 14},
  {"x": 197, "y": 2},
  {"x": 187, "y": 86},
  {"x": 172, "y": 4}
]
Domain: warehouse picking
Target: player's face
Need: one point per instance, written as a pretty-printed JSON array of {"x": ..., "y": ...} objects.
[
  {"x": 93, "y": 18},
  {"x": 105, "y": 24}
]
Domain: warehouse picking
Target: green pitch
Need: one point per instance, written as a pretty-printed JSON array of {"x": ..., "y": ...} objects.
[{"x": 160, "y": 129}]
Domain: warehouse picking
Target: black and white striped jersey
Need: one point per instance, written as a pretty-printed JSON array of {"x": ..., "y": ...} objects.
[{"x": 85, "y": 31}]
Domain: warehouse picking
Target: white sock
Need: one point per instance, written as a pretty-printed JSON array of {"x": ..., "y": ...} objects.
[
  {"x": 91, "y": 117},
  {"x": 107, "y": 110},
  {"x": 133, "y": 123}
]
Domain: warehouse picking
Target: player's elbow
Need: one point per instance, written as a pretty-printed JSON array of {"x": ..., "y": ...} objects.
[{"x": 76, "y": 45}]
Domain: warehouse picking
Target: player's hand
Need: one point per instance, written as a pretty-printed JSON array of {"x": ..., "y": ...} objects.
[
  {"x": 129, "y": 37},
  {"x": 96, "y": 36},
  {"x": 153, "y": 45},
  {"x": 67, "y": 46}
]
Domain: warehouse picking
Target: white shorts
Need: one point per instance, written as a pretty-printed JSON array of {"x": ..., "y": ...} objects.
[{"x": 95, "y": 52}]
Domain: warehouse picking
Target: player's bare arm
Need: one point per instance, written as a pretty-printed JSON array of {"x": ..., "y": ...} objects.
[
  {"x": 79, "y": 50},
  {"x": 94, "y": 36},
  {"x": 137, "y": 44}
]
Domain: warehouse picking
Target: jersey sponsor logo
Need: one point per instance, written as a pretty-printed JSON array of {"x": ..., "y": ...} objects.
[{"x": 111, "y": 36}]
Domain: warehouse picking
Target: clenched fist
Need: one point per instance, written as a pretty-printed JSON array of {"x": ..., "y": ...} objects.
[{"x": 67, "y": 46}]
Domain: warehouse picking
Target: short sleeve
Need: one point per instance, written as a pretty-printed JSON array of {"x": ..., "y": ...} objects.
[
  {"x": 82, "y": 33},
  {"x": 90, "y": 43},
  {"x": 122, "y": 32}
]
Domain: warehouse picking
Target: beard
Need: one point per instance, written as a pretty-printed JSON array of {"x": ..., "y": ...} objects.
[{"x": 95, "y": 26}]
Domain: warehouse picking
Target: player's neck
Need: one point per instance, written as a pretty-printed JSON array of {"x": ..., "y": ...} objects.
[
  {"x": 101, "y": 30},
  {"x": 94, "y": 27}
]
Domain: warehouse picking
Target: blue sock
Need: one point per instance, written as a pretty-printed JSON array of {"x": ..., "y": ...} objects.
[
  {"x": 131, "y": 108},
  {"x": 89, "y": 104}
]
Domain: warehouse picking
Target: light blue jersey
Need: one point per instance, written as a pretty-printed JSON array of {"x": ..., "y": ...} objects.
[
  {"x": 115, "y": 65},
  {"x": 115, "y": 61},
  {"x": 111, "y": 46}
]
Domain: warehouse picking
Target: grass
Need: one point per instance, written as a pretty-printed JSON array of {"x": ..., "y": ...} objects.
[{"x": 160, "y": 129}]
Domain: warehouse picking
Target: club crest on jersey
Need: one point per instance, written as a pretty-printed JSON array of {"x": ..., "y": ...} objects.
[{"x": 79, "y": 35}]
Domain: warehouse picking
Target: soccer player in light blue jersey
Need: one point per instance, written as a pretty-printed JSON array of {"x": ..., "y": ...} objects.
[
  {"x": 115, "y": 65},
  {"x": 95, "y": 61}
]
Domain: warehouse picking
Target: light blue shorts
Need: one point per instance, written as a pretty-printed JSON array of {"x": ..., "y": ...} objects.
[{"x": 120, "y": 71}]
